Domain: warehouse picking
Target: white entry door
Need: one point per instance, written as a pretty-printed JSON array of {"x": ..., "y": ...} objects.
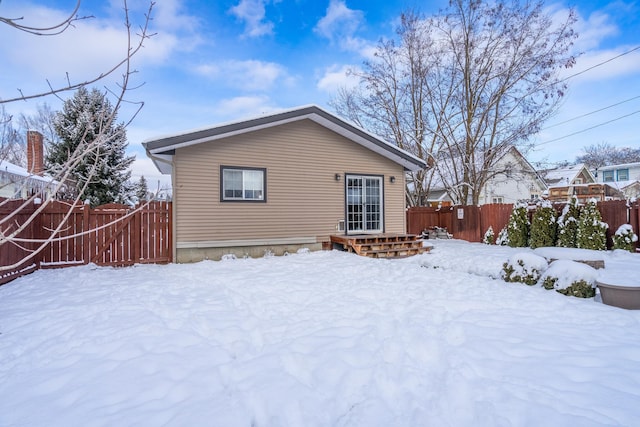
[{"x": 364, "y": 204}]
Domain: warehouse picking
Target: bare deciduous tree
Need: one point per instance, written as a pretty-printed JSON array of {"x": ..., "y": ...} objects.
[
  {"x": 11, "y": 145},
  {"x": 605, "y": 154},
  {"x": 94, "y": 147},
  {"x": 461, "y": 87}
]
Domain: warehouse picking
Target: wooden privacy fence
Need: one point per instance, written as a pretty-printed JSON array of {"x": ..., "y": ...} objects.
[
  {"x": 110, "y": 235},
  {"x": 471, "y": 222}
]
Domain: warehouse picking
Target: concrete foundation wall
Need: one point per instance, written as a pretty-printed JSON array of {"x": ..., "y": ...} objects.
[{"x": 185, "y": 255}]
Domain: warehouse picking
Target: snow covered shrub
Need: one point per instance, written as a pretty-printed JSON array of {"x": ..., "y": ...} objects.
[
  {"x": 518, "y": 226},
  {"x": 524, "y": 267},
  {"x": 543, "y": 226},
  {"x": 570, "y": 278},
  {"x": 568, "y": 224},
  {"x": 625, "y": 238},
  {"x": 591, "y": 230},
  {"x": 489, "y": 236},
  {"x": 503, "y": 238}
]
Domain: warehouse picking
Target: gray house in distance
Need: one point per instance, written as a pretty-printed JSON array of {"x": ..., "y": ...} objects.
[{"x": 280, "y": 182}]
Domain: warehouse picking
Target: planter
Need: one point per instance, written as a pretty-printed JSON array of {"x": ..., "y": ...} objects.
[{"x": 620, "y": 296}]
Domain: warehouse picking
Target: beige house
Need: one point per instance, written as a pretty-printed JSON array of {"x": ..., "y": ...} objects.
[{"x": 280, "y": 182}]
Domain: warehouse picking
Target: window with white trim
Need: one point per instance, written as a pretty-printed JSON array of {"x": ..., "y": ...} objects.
[
  {"x": 622, "y": 174},
  {"x": 607, "y": 176},
  {"x": 239, "y": 184}
]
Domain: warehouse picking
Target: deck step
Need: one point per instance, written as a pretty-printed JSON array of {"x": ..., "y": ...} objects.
[{"x": 382, "y": 245}]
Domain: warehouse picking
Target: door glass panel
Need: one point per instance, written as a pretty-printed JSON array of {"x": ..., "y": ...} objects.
[
  {"x": 364, "y": 204},
  {"x": 355, "y": 206},
  {"x": 372, "y": 204}
]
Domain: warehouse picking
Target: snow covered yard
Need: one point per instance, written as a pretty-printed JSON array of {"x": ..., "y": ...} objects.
[{"x": 315, "y": 339}]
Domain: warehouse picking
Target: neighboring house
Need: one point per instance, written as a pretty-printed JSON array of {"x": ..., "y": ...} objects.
[
  {"x": 579, "y": 181},
  {"x": 624, "y": 177},
  {"x": 17, "y": 182},
  {"x": 280, "y": 182},
  {"x": 511, "y": 179}
]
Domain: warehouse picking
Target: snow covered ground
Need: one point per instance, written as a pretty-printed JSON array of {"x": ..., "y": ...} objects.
[{"x": 315, "y": 339}]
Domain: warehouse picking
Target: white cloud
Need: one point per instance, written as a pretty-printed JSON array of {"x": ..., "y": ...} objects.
[
  {"x": 143, "y": 165},
  {"x": 336, "y": 77},
  {"x": 250, "y": 75},
  {"x": 592, "y": 31},
  {"x": 605, "y": 67},
  {"x": 253, "y": 13},
  {"x": 339, "y": 21},
  {"x": 339, "y": 26},
  {"x": 244, "y": 106},
  {"x": 89, "y": 48}
]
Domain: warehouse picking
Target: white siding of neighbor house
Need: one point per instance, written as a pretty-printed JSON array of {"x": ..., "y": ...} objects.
[
  {"x": 303, "y": 198},
  {"x": 633, "y": 168},
  {"x": 521, "y": 184}
]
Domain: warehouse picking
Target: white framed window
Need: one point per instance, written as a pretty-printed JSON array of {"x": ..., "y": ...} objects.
[
  {"x": 497, "y": 199},
  {"x": 623, "y": 174},
  {"x": 243, "y": 184},
  {"x": 607, "y": 176}
]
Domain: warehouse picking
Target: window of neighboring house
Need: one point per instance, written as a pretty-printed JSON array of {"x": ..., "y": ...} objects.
[
  {"x": 623, "y": 174},
  {"x": 497, "y": 200},
  {"x": 242, "y": 184},
  {"x": 578, "y": 181},
  {"x": 607, "y": 176}
]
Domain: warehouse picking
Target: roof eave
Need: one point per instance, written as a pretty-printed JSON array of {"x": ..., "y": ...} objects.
[{"x": 164, "y": 145}]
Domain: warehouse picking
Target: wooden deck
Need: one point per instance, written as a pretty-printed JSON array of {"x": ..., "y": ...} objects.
[{"x": 380, "y": 245}]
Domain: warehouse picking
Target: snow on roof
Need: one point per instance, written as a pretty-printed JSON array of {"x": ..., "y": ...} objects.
[
  {"x": 20, "y": 171},
  {"x": 621, "y": 185},
  {"x": 622, "y": 165},
  {"x": 563, "y": 176}
]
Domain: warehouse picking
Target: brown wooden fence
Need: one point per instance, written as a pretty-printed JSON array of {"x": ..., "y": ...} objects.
[
  {"x": 115, "y": 235},
  {"x": 471, "y": 222}
]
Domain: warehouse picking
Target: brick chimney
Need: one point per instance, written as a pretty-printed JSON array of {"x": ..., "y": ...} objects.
[{"x": 35, "y": 152}]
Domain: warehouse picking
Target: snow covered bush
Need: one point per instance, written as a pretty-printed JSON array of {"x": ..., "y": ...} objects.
[
  {"x": 568, "y": 224},
  {"x": 592, "y": 232},
  {"x": 625, "y": 238},
  {"x": 524, "y": 267},
  {"x": 518, "y": 226},
  {"x": 503, "y": 237},
  {"x": 570, "y": 278},
  {"x": 489, "y": 236},
  {"x": 543, "y": 226}
]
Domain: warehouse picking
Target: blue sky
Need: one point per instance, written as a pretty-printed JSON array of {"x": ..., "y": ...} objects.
[{"x": 212, "y": 62}]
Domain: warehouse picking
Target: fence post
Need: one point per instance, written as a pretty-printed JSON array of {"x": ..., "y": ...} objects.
[
  {"x": 137, "y": 241},
  {"x": 86, "y": 226},
  {"x": 37, "y": 234}
]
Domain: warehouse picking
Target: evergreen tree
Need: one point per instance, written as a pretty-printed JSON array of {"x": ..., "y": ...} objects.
[
  {"x": 142, "y": 190},
  {"x": 543, "y": 226},
  {"x": 503, "y": 237},
  {"x": 489, "y": 236},
  {"x": 568, "y": 224},
  {"x": 93, "y": 146},
  {"x": 625, "y": 238},
  {"x": 591, "y": 230},
  {"x": 518, "y": 226}
]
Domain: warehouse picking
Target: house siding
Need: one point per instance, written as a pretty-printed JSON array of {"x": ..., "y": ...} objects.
[{"x": 304, "y": 201}]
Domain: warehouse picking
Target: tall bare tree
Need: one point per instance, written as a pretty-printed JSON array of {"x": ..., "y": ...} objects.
[
  {"x": 605, "y": 154},
  {"x": 95, "y": 147},
  {"x": 461, "y": 87},
  {"x": 11, "y": 145}
]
